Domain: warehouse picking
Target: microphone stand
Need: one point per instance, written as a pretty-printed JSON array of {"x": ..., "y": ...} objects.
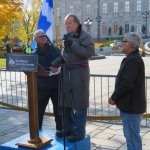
[
  {"x": 66, "y": 48},
  {"x": 58, "y": 60},
  {"x": 63, "y": 105}
]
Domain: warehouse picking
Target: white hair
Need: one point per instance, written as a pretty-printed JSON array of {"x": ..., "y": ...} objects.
[
  {"x": 36, "y": 33},
  {"x": 134, "y": 39}
]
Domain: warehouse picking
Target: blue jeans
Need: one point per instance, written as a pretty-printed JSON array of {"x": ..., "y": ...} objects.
[
  {"x": 75, "y": 120},
  {"x": 131, "y": 129}
]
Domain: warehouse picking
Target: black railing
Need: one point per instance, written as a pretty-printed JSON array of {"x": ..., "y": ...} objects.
[{"x": 13, "y": 94}]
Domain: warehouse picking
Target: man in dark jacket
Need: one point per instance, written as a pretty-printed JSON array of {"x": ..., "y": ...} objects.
[
  {"x": 129, "y": 93},
  {"x": 79, "y": 47},
  {"x": 47, "y": 86}
]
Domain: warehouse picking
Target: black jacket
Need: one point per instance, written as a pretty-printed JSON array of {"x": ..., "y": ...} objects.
[
  {"x": 129, "y": 91},
  {"x": 45, "y": 56}
]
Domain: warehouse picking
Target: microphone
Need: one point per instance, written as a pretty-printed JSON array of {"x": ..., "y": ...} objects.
[
  {"x": 67, "y": 36},
  {"x": 59, "y": 61},
  {"x": 56, "y": 62},
  {"x": 67, "y": 41},
  {"x": 64, "y": 37}
]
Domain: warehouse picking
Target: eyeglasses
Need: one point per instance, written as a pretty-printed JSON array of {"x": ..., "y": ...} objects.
[{"x": 41, "y": 36}]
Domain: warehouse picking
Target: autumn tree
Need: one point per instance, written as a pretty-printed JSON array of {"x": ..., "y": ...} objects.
[
  {"x": 10, "y": 11},
  {"x": 30, "y": 19},
  {"x": 19, "y": 21}
]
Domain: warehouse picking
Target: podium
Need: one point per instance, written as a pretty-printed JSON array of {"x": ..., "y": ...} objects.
[{"x": 29, "y": 65}]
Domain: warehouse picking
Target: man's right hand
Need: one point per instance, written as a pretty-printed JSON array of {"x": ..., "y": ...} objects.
[
  {"x": 111, "y": 101},
  {"x": 68, "y": 42}
]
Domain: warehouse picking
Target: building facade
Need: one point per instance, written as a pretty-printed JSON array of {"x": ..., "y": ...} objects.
[{"x": 105, "y": 19}]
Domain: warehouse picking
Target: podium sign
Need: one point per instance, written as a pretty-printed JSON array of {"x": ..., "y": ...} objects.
[{"x": 21, "y": 62}]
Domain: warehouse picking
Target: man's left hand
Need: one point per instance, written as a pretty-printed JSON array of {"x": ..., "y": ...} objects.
[{"x": 53, "y": 69}]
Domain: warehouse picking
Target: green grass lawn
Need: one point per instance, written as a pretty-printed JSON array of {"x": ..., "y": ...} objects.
[{"x": 2, "y": 63}]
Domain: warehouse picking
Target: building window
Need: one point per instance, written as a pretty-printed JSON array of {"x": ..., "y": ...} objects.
[
  {"x": 127, "y": 6},
  {"x": 116, "y": 28},
  {"x": 104, "y": 29},
  {"x": 115, "y": 7},
  {"x": 71, "y": 9},
  {"x": 126, "y": 27},
  {"x": 138, "y": 5},
  {"x": 139, "y": 27},
  {"x": 104, "y": 8},
  {"x": 88, "y": 10}
]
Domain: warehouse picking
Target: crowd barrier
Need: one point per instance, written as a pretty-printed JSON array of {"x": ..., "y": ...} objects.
[{"x": 13, "y": 95}]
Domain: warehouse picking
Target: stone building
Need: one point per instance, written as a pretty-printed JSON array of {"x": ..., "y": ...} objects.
[{"x": 105, "y": 19}]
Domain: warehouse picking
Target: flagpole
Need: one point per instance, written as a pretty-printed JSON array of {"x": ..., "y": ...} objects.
[{"x": 56, "y": 21}]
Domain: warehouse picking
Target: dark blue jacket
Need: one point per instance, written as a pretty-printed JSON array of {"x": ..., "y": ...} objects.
[
  {"x": 45, "y": 57},
  {"x": 129, "y": 91}
]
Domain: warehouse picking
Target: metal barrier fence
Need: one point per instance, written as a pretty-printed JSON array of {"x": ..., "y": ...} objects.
[{"x": 13, "y": 94}]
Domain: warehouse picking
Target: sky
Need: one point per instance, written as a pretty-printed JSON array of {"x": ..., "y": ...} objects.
[{"x": 27, "y": 4}]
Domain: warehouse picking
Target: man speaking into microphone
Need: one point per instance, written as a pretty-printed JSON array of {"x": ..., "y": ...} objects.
[{"x": 78, "y": 48}]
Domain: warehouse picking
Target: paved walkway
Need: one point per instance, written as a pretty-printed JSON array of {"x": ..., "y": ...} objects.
[{"x": 104, "y": 136}]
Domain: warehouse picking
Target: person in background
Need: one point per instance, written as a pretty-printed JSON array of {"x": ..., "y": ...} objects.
[
  {"x": 129, "y": 93},
  {"x": 47, "y": 86},
  {"x": 8, "y": 48},
  {"x": 27, "y": 50},
  {"x": 79, "y": 47}
]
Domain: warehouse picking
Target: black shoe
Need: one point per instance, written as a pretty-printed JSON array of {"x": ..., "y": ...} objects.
[
  {"x": 61, "y": 133},
  {"x": 75, "y": 138}
]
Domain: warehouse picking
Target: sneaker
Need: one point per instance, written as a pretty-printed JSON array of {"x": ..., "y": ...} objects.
[
  {"x": 75, "y": 138},
  {"x": 61, "y": 133}
]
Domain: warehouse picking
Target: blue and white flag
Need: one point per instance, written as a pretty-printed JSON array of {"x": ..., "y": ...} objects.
[{"x": 46, "y": 20}]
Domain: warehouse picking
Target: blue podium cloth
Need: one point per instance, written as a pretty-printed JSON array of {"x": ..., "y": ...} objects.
[{"x": 56, "y": 144}]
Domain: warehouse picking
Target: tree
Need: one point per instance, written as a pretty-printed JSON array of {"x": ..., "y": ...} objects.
[
  {"x": 10, "y": 11},
  {"x": 20, "y": 22},
  {"x": 30, "y": 19}
]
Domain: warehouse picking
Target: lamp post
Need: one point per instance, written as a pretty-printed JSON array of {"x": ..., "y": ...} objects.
[
  {"x": 145, "y": 16},
  {"x": 88, "y": 22},
  {"x": 98, "y": 20}
]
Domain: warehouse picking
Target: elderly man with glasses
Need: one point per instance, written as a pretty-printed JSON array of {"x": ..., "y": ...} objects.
[
  {"x": 47, "y": 86},
  {"x": 129, "y": 93}
]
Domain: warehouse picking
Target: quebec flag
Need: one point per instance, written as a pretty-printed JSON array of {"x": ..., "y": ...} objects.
[{"x": 46, "y": 20}]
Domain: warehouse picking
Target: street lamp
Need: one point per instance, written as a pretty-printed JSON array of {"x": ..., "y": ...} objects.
[
  {"x": 98, "y": 20},
  {"x": 145, "y": 16},
  {"x": 88, "y": 22}
]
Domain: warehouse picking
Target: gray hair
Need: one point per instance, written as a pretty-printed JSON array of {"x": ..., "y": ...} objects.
[
  {"x": 76, "y": 19},
  {"x": 134, "y": 39},
  {"x": 37, "y": 32}
]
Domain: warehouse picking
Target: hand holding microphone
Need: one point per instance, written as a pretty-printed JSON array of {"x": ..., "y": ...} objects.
[{"x": 68, "y": 39}]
